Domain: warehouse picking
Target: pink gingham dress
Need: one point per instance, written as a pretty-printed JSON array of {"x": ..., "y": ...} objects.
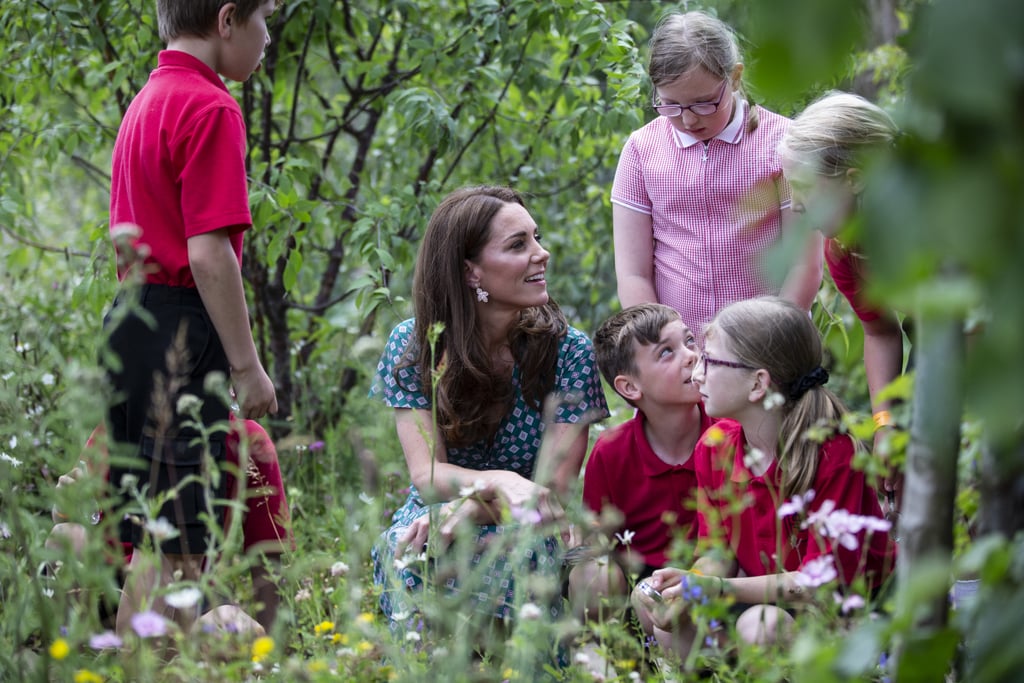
[{"x": 715, "y": 208}]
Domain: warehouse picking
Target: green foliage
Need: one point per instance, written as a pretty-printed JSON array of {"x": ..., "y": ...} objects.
[{"x": 363, "y": 116}]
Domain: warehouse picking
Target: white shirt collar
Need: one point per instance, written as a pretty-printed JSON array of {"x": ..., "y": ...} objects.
[{"x": 732, "y": 133}]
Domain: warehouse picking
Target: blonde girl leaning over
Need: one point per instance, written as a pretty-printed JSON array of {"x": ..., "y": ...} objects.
[
  {"x": 699, "y": 193},
  {"x": 761, "y": 369},
  {"x": 824, "y": 153}
]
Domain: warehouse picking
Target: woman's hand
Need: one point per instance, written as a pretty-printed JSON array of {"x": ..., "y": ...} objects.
[
  {"x": 521, "y": 494},
  {"x": 450, "y": 516}
]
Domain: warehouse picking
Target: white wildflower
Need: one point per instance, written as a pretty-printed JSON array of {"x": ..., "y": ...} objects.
[
  {"x": 366, "y": 498},
  {"x": 183, "y": 599},
  {"x": 188, "y": 403},
  {"x": 47, "y": 379},
  {"x": 10, "y": 459},
  {"x": 773, "y": 400},
  {"x": 125, "y": 231},
  {"x": 412, "y": 637},
  {"x": 843, "y": 526},
  {"x": 530, "y": 611},
  {"x": 755, "y": 459},
  {"x": 13, "y": 443},
  {"x": 796, "y": 505},
  {"x": 339, "y": 569},
  {"x": 474, "y": 488},
  {"x": 626, "y": 537},
  {"x": 403, "y": 562},
  {"x": 817, "y": 572},
  {"x": 849, "y": 602},
  {"x": 160, "y": 529}
]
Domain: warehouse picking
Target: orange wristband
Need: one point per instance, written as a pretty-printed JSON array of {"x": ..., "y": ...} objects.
[{"x": 883, "y": 418}]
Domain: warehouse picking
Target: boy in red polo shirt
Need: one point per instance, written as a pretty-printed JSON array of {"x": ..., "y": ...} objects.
[
  {"x": 179, "y": 182},
  {"x": 642, "y": 468}
]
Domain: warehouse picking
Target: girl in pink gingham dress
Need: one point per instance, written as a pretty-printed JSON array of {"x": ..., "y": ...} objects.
[{"x": 699, "y": 194}]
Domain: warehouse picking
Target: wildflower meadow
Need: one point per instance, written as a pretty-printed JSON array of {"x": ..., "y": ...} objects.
[{"x": 363, "y": 116}]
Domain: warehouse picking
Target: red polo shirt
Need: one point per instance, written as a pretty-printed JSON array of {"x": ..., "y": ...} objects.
[
  {"x": 741, "y": 509},
  {"x": 178, "y": 166},
  {"x": 655, "y": 498}
]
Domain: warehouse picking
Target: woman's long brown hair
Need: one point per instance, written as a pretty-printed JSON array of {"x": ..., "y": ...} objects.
[{"x": 471, "y": 396}]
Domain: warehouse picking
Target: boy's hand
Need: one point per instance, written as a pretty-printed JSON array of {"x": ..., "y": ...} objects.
[{"x": 255, "y": 391}]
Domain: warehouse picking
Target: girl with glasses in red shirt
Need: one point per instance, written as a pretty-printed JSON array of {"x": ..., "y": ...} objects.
[{"x": 780, "y": 511}]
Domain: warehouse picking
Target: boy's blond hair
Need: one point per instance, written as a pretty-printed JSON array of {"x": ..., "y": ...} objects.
[{"x": 616, "y": 339}]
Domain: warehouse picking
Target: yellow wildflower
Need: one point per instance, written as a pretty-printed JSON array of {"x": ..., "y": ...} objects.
[
  {"x": 86, "y": 676},
  {"x": 323, "y": 627},
  {"x": 362, "y": 647},
  {"x": 59, "y": 649},
  {"x": 365, "y": 618},
  {"x": 261, "y": 647},
  {"x": 714, "y": 436}
]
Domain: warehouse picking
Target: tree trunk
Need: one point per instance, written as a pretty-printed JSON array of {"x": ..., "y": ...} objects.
[
  {"x": 926, "y": 522},
  {"x": 883, "y": 29}
]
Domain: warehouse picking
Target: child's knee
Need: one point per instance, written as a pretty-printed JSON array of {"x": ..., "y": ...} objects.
[
  {"x": 593, "y": 584},
  {"x": 67, "y": 535},
  {"x": 763, "y": 624}
]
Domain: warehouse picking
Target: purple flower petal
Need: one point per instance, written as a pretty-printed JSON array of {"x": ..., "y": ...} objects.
[
  {"x": 149, "y": 624},
  {"x": 105, "y": 640}
]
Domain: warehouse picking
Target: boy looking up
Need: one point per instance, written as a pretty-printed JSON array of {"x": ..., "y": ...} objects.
[
  {"x": 642, "y": 467},
  {"x": 179, "y": 178}
]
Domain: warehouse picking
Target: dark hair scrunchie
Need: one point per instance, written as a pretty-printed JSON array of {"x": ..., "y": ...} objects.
[{"x": 814, "y": 378}]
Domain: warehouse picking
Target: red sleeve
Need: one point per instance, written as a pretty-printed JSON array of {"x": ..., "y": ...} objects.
[
  {"x": 847, "y": 272},
  {"x": 597, "y": 492},
  {"x": 213, "y": 181}
]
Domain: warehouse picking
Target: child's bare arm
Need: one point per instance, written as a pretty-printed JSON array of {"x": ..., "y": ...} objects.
[
  {"x": 804, "y": 278},
  {"x": 219, "y": 281}
]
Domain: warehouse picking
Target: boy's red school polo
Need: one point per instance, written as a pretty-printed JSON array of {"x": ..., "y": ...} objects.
[
  {"x": 178, "y": 166},
  {"x": 625, "y": 472},
  {"x": 757, "y": 536}
]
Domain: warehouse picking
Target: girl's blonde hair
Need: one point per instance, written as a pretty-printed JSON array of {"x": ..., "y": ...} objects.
[
  {"x": 834, "y": 133},
  {"x": 774, "y": 334},
  {"x": 681, "y": 42}
]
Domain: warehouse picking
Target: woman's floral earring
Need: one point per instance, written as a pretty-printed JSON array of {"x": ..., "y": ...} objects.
[{"x": 481, "y": 294}]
